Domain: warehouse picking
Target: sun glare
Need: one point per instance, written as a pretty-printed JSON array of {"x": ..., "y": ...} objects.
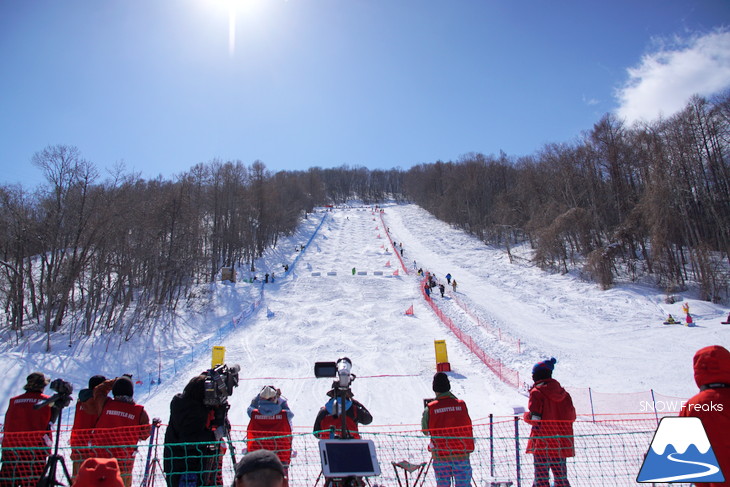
[{"x": 236, "y": 9}]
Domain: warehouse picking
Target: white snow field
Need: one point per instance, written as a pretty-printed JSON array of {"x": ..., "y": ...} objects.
[{"x": 610, "y": 345}]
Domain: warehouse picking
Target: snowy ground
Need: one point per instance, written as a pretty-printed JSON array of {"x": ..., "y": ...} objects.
[{"x": 611, "y": 341}]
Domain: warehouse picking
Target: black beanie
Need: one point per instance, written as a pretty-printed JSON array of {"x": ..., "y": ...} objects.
[
  {"x": 441, "y": 383},
  {"x": 123, "y": 386},
  {"x": 543, "y": 370},
  {"x": 96, "y": 380}
]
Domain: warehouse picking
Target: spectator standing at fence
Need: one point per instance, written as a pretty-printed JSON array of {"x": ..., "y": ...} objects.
[
  {"x": 192, "y": 450},
  {"x": 83, "y": 426},
  {"x": 712, "y": 404},
  {"x": 551, "y": 415},
  {"x": 260, "y": 468},
  {"x": 446, "y": 420},
  {"x": 121, "y": 423},
  {"x": 270, "y": 426},
  {"x": 29, "y": 431}
]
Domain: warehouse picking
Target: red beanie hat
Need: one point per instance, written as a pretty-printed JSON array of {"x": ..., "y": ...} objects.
[{"x": 99, "y": 472}]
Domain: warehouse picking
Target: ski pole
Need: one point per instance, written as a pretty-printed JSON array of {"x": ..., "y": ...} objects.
[{"x": 153, "y": 432}]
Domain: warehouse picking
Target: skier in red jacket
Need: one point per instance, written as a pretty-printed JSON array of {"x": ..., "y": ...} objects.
[
  {"x": 446, "y": 420},
  {"x": 712, "y": 404},
  {"x": 121, "y": 424},
  {"x": 28, "y": 429},
  {"x": 551, "y": 414}
]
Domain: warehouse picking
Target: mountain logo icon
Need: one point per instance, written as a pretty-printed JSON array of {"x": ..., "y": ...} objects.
[{"x": 680, "y": 452}]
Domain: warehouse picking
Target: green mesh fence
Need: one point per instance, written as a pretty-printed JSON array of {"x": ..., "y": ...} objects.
[{"x": 607, "y": 453}]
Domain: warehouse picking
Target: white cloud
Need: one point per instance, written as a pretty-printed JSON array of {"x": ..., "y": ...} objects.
[{"x": 665, "y": 80}]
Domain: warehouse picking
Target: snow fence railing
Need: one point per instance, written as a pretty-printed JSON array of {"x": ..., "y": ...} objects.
[
  {"x": 505, "y": 374},
  {"x": 204, "y": 349},
  {"x": 390, "y": 239},
  {"x": 607, "y": 452},
  {"x": 494, "y": 330}
]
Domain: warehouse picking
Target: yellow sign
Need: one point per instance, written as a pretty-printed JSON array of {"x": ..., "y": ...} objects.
[
  {"x": 218, "y": 356},
  {"x": 441, "y": 355}
]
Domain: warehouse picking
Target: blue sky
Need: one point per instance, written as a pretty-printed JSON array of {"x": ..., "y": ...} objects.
[{"x": 161, "y": 85}]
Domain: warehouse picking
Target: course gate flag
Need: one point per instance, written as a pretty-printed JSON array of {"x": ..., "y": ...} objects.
[{"x": 680, "y": 452}]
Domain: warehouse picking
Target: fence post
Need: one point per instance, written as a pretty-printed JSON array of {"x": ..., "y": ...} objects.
[
  {"x": 517, "y": 450},
  {"x": 653, "y": 402},
  {"x": 590, "y": 399},
  {"x": 491, "y": 444}
]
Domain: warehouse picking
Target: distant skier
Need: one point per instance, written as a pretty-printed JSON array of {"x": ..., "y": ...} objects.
[
  {"x": 427, "y": 288},
  {"x": 448, "y": 278},
  {"x": 442, "y": 288},
  {"x": 453, "y": 285}
]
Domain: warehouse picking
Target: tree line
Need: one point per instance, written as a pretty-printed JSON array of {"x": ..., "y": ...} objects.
[
  {"x": 83, "y": 255},
  {"x": 652, "y": 199}
]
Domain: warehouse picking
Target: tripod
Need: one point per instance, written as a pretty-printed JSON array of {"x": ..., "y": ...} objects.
[{"x": 48, "y": 478}]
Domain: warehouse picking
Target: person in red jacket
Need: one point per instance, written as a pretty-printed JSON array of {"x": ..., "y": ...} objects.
[
  {"x": 83, "y": 425},
  {"x": 270, "y": 426},
  {"x": 712, "y": 404},
  {"x": 121, "y": 424},
  {"x": 446, "y": 420},
  {"x": 551, "y": 414},
  {"x": 28, "y": 429}
]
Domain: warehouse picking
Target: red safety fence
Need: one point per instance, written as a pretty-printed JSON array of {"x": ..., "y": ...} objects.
[
  {"x": 609, "y": 452},
  {"x": 500, "y": 335},
  {"x": 507, "y": 375}
]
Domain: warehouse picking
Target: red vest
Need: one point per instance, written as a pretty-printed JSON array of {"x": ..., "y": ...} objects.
[
  {"x": 83, "y": 425},
  {"x": 276, "y": 425},
  {"x": 118, "y": 425},
  {"x": 449, "y": 425},
  {"x": 25, "y": 426},
  {"x": 330, "y": 421}
]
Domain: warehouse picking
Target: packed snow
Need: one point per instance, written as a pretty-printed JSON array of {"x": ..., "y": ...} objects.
[{"x": 340, "y": 297}]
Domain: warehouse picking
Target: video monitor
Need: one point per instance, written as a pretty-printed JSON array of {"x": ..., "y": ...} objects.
[{"x": 347, "y": 458}]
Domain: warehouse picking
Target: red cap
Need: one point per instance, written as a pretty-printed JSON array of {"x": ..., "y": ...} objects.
[{"x": 99, "y": 472}]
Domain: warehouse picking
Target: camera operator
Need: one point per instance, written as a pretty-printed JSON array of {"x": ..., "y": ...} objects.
[
  {"x": 192, "y": 421},
  {"x": 121, "y": 423},
  {"x": 270, "y": 426},
  {"x": 83, "y": 426},
  {"x": 28, "y": 430},
  {"x": 328, "y": 417}
]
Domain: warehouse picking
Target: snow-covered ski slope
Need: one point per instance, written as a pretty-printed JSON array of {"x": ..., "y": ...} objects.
[{"x": 612, "y": 341}]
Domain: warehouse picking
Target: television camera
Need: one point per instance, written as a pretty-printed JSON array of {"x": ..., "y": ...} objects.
[
  {"x": 219, "y": 384},
  {"x": 345, "y": 461}
]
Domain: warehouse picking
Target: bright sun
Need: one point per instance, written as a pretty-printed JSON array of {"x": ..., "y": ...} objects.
[{"x": 236, "y": 9}]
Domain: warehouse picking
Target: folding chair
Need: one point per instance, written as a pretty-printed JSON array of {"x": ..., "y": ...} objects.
[{"x": 421, "y": 468}]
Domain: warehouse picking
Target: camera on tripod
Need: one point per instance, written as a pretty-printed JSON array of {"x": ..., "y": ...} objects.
[
  {"x": 340, "y": 369},
  {"x": 219, "y": 384},
  {"x": 61, "y": 398}
]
